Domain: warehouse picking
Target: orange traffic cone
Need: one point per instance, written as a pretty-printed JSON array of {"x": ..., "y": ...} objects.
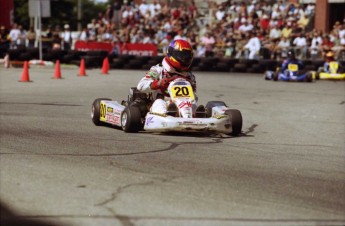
[
  {"x": 82, "y": 68},
  {"x": 25, "y": 73},
  {"x": 57, "y": 73},
  {"x": 105, "y": 67}
]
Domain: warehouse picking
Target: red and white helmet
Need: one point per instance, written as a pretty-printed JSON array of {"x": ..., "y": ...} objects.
[{"x": 180, "y": 55}]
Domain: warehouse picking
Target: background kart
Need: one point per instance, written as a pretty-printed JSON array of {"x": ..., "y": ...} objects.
[
  {"x": 336, "y": 72},
  {"x": 133, "y": 115},
  {"x": 291, "y": 74}
]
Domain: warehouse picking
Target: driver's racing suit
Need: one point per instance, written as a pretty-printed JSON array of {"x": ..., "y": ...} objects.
[
  {"x": 286, "y": 63},
  {"x": 156, "y": 73}
]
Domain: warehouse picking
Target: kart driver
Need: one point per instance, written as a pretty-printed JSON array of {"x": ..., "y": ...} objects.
[
  {"x": 329, "y": 57},
  {"x": 177, "y": 62},
  {"x": 291, "y": 59}
]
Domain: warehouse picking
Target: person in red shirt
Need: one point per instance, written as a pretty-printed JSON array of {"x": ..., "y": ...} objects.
[
  {"x": 265, "y": 22},
  {"x": 326, "y": 45}
]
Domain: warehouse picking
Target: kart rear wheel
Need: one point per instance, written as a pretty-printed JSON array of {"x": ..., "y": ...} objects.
[
  {"x": 236, "y": 121},
  {"x": 96, "y": 110},
  {"x": 309, "y": 77},
  {"x": 317, "y": 76},
  {"x": 275, "y": 76},
  {"x": 131, "y": 119},
  {"x": 212, "y": 104}
]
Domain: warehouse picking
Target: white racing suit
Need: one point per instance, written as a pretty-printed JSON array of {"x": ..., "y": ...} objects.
[{"x": 158, "y": 72}]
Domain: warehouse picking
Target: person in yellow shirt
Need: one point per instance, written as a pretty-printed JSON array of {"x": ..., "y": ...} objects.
[
  {"x": 303, "y": 21},
  {"x": 287, "y": 30}
]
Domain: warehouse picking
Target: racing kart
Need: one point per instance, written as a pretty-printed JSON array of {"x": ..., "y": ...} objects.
[
  {"x": 336, "y": 72},
  {"x": 291, "y": 74},
  {"x": 134, "y": 115}
]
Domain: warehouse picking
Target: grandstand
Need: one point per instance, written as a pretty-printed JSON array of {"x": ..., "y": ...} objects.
[{"x": 231, "y": 26}]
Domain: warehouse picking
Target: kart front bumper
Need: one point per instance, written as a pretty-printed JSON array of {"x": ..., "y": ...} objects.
[{"x": 162, "y": 123}]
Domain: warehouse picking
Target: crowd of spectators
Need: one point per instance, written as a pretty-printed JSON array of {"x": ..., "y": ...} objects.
[{"x": 250, "y": 29}]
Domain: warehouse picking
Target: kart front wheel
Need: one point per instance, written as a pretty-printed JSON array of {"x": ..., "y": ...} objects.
[
  {"x": 131, "y": 119},
  {"x": 96, "y": 111},
  {"x": 236, "y": 121}
]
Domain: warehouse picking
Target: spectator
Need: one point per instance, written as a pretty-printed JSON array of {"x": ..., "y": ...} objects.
[
  {"x": 154, "y": 8},
  {"x": 220, "y": 14},
  {"x": 14, "y": 36},
  {"x": 303, "y": 21},
  {"x": 108, "y": 15},
  {"x": 4, "y": 38},
  {"x": 180, "y": 35},
  {"x": 144, "y": 8},
  {"x": 31, "y": 37},
  {"x": 252, "y": 47},
  {"x": 264, "y": 22},
  {"x": 208, "y": 42},
  {"x": 287, "y": 30},
  {"x": 315, "y": 50},
  {"x": 282, "y": 48},
  {"x": 275, "y": 33},
  {"x": 22, "y": 37},
  {"x": 300, "y": 44},
  {"x": 327, "y": 44},
  {"x": 245, "y": 27},
  {"x": 66, "y": 37},
  {"x": 192, "y": 9},
  {"x": 117, "y": 6},
  {"x": 84, "y": 35}
]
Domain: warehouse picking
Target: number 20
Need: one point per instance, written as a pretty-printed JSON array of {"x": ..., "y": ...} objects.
[{"x": 181, "y": 91}]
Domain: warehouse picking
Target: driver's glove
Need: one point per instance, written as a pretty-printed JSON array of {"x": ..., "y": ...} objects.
[{"x": 159, "y": 84}]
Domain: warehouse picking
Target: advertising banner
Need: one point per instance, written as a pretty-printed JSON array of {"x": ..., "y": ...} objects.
[{"x": 124, "y": 49}]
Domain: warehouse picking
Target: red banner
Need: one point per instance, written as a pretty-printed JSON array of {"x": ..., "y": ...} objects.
[
  {"x": 139, "y": 49},
  {"x": 126, "y": 48},
  {"x": 93, "y": 46}
]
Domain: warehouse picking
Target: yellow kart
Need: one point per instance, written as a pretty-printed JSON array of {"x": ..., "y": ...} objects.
[{"x": 334, "y": 74}]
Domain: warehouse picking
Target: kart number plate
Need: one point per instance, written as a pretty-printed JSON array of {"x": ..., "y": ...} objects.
[
  {"x": 102, "y": 113},
  {"x": 293, "y": 67},
  {"x": 182, "y": 91},
  {"x": 333, "y": 66}
]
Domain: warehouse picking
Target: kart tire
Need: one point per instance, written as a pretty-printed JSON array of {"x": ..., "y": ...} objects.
[
  {"x": 96, "y": 111},
  {"x": 317, "y": 76},
  {"x": 309, "y": 77},
  {"x": 131, "y": 119},
  {"x": 212, "y": 104},
  {"x": 268, "y": 75},
  {"x": 275, "y": 76},
  {"x": 236, "y": 121}
]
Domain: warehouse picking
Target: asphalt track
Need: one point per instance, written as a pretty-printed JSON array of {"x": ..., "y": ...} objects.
[{"x": 57, "y": 168}]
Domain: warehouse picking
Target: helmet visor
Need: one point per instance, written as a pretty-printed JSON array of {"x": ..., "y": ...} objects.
[{"x": 184, "y": 57}]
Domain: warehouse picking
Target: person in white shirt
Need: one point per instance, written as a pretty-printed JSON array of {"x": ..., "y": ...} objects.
[
  {"x": 14, "y": 36},
  {"x": 220, "y": 13},
  {"x": 253, "y": 46},
  {"x": 180, "y": 35},
  {"x": 275, "y": 33},
  {"x": 155, "y": 7},
  {"x": 300, "y": 44},
  {"x": 66, "y": 37},
  {"x": 245, "y": 26},
  {"x": 283, "y": 47},
  {"x": 144, "y": 8}
]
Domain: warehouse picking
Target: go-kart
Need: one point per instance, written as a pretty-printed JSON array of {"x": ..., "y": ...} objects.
[
  {"x": 335, "y": 72},
  {"x": 134, "y": 115},
  {"x": 291, "y": 74}
]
